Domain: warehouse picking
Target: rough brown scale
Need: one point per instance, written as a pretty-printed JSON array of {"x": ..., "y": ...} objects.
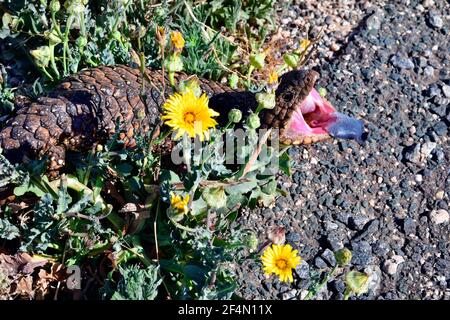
[{"x": 85, "y": 108}]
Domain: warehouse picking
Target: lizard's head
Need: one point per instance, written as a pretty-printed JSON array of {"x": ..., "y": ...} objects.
[{"x": 304, "y": 117}]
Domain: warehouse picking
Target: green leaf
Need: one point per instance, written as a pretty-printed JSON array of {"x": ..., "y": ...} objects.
[
  {"x": 285, "y": 163},
  {"x": 235, "y": 201},
  {"x": 170, "y": 176},
  {"x": 195, "y": 273},
  {"x": 9, "y": 173},
  {"x": 199, "y": 206},
  {"x": 215, "y": 197},
  {"x": 270, "y": 187},
  {"x": 124, "y": 169},
  {"x": 8, "y": 231},
  {"x": 21, "y": 190},
  {"x": 137, "y": 284},
  {"x": 242, "y": 188}
]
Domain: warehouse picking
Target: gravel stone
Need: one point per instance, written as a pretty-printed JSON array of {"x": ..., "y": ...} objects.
[
  {"x": 362, "y": 253},
  {"x": 436, "y": 20},
  {"x": 289, "y": 295},
  {"x": 328, "y": 257},
  {"x": 374, "y": 21},
  {"x": 320, "y": 263},
  {"x": 358, "y": 222},
  {"x": 428, "y": 71},
  {"x": 446, "y": 90},
  {"x": 409, "y": 226},
  {"x": 390, "y": 266},
  {"x": 439, "y": 216},
  {"x": 402, "y": 62},
  {"x": 303, "y": 270}
]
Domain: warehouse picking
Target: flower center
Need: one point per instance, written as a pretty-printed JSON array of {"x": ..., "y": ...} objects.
[
  {"x": 189, "y": 117},
  {"x": 281, "y": 264}
]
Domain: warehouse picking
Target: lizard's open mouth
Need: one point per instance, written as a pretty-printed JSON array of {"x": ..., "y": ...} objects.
[{"x": 315, "y": 119}]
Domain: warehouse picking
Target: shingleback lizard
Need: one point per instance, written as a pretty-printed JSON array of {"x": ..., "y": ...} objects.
[{"x": 85, "y": 108}]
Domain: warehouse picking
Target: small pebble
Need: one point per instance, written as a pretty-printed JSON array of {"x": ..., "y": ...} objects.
[
  {"x": 334, "y": 47},
  {"x": 446, "y": 90},
  {"x": 436, "y": 20},
  {"x": 390, "y": 266},
  {"x": 440, "y": 195},
  {"x": 439, "y": 216}
]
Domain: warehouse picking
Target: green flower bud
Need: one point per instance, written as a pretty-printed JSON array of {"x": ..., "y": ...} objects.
[
  {"x": 257, "y": 60},
  {"x": 41, "y": 56},
  {"x": 266, "y": 100},
  {"x": 343, "y": 257},
  {"x": 253, "y": 121},
  {"x": 357, "y": 282},
  {"x": 191, "y": 84},
  {"x": 174, "y": 64},
  {"x": 322, "y": 92},
  {"x": 75, "y": 7},
  {"x": 142, "y": 31},
  {"x": 6, "y": 20},
  {"x": 81, "y": 42},
  {"x": 291, "y": 60},
  {"x": 10, "y": 22},
  {"x": 55, "y": 6},
  {"x": 233, "y": 80},
  {"x": 116, "y": 35},
  {"x": 53, "y": 37},
  {"x": 235, "y": 115},
  {"x": 15, "y": 23},
  {"x": 251, "y": 241}
]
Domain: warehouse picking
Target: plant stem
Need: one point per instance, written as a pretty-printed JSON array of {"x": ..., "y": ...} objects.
[
  {"x": 249, "y": 75},
  {"x": 180, "y": 226},
  {"x": 137, "y": 246},
  {"x": 47, "y": 74},
  {"x": 172, "y": 79},
  {"x": 66, "y": 43},
  {"x": 347, "y": 294},
  {"x": 88, "y": 169},
  {"x": 74, "y": 184},
  {"x": 53, "y": 63}
]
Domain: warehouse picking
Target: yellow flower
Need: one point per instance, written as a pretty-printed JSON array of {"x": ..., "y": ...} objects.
[
  {"x": 189, "y": 114},
  {"x": 178, "y": 207},
  {"x": 177, "y": 39},
  {"x": 273, "y": 77},
  {"x": 304, "y": 44},
  {"x": 280, "y": 259},
  {"x": 178, "y": 204}
]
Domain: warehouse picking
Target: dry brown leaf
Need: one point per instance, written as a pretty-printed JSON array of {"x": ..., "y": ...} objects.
[
  {"x": 21, "y": 262},
  {"x": 256, "y": 153},
  {"x": 25, "y": 287}
]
